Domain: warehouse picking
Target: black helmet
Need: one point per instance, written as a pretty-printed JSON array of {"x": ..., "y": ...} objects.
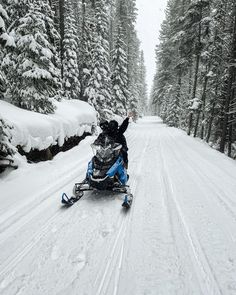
[{"x": 113, "y": 126}]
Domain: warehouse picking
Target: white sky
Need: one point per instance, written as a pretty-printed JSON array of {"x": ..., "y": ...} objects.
[{"x": 150, "y": 16}]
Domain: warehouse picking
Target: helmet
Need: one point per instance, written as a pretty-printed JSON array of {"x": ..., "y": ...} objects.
[{"x": 113, "y": 126}]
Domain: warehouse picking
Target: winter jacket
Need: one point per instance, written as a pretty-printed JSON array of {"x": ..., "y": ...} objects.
[{"x": 118, "y": 135}]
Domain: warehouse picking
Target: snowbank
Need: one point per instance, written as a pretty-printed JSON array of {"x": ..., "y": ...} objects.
[{"x": 37, "y": 131}]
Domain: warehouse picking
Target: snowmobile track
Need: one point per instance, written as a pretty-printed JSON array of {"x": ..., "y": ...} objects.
[
  {"x": 223, "y": 199},
  {"x": 206, "y": 277},
  {"x": 117, "y": 249},
  {"x": 14, "y": 259},
  {"x": 22, "y": 220},
  {"x": 12, "y": 216}
]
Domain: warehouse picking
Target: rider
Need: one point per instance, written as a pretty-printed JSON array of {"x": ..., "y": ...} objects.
[{"x": 113, "y": 130}]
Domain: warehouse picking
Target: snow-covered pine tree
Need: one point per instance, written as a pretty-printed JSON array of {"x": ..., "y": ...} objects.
[
  {"x": 166, "y": 60},
  {"x": 86, "y": 43},
  {"x": 228, "y": 134},
  {"x": 142, "y": 86},
  {"x": 6, "y": 149},
  {"x": 3, "y": 35},
  {"x": 15, "y": 10},
  {"x": 154, "y": 104},
  {"x": 126, "y": 16},
  {"x": 119, "y": 73},
  {"x": 98, "y": 90},
  {"x": 70, "y": 79},
  {"x": 196, "y": 71},
  {"x": 32, "y": 69},
  {"x": 134, "y": 77}
]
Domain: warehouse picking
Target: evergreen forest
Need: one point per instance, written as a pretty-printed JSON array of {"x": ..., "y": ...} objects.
[
  {"x": 194, "y": 86},
  {"x": 70, "y": 49}
]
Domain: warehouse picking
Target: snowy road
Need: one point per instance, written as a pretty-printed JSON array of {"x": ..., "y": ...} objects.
[{"x": 178, "y": 238}]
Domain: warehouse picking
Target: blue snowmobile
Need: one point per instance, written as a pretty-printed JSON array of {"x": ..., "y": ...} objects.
[{"x": 105, "y": 172}]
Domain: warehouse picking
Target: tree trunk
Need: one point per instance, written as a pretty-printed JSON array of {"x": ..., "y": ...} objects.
[
  {"x": 230, "y": 139},
  {"x": 210, "y": 123},
  {"x": 201, "y": 111},
  {"x": 195, "y": 73},
  {"x": 197, "y": 123},
  {"x": 178, "y": 96}
]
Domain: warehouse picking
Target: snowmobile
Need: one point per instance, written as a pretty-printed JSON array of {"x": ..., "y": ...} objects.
[{"x": 105, "y": 172}]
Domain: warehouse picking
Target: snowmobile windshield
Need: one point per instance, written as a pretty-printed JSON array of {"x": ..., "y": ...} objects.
[{"x": 106, "y": 150}]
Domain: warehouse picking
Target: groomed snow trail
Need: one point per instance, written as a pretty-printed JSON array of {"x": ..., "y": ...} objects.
[{"x": 178, "y": 238}]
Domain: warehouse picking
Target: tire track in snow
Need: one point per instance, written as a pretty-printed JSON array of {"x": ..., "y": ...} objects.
[
  {"x": 209, "y": 163},
  {"x": 223, "y": 200},
  {"x": 15, "y": 258},
  {"x": 22, "y": 220},
  {"x": 203, "y": 176},
  {"x": 13, "y": 215},
  {"x": 13, "y": 220},
  {"x": 116, "y": 250},
  {"x": 206, "y": 277},
  {"x": 134, "y": 186}
]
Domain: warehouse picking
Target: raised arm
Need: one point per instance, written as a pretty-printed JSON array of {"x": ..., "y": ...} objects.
[{"x": 124, "y": 126}]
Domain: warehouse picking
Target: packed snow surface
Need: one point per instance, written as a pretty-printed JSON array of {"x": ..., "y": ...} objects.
[
  {"x": 179, "y": 237},
  {"x": 32, "y": 130}
]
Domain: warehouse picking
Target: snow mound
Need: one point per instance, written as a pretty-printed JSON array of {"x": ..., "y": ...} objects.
[{"x": 38, "y": 131}]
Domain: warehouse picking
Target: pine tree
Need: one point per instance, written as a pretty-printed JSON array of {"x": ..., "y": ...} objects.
[
  {"x": 87, "y": 41},
  {"x": 3, "y": 37},
  {"x": 195, "y": 76},
  {"x": 142, "y": 86},
  {"x": 71, "y": 84},
  {"x": 6, "y": 149},
  {"x": 34, "y": 75},
  {"x": 97, "y": 90},
  {"x": 119, "y": 74}
]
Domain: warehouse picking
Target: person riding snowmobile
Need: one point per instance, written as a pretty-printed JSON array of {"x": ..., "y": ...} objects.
[{"x": 115, "y": 132}]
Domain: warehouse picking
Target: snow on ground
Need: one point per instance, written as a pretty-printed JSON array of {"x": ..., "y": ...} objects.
[
  {"x": 38, "y": 131},
  {"x": 178, "y": 238}
]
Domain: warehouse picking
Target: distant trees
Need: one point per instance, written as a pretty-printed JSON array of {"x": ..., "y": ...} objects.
[
  {"x": 142, "y": 86},
  {"x": 194, "y": 85}
]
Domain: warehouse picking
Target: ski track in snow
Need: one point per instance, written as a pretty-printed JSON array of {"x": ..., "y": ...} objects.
[{"x": 178, "y": 238}]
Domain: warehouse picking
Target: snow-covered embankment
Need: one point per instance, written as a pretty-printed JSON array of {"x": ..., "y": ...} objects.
[{"x": 34, "y": 131}]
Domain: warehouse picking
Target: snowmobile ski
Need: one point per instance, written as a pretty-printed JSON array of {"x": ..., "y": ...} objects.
[
  {"x": 127, "y": 201},
  {"x": 69, "y": 201}
]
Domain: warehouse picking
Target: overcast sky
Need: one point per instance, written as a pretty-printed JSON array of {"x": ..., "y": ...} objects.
[{"x": 150, "y": 16}]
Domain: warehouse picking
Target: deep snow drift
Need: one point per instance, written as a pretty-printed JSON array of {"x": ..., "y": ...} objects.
[
  {"x": 178, "y": 238},
  {"x": 32, "y": 130}
]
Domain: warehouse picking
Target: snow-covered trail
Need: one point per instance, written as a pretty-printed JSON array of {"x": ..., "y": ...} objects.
[{"x": 178, "y": 238}]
